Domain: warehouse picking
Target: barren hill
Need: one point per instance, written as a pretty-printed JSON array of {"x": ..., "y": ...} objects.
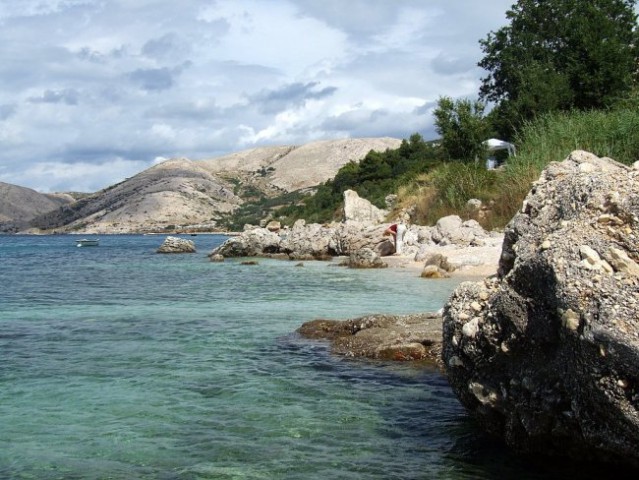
[
  {"x": 290, "y": 168},
  {"x": 194, "y": 195},
  {"x": 174, "y": 193},
  {"x": 18, "y": 205}
]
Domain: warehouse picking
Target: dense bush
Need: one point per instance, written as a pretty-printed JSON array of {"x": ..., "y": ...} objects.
[
  {"x": 377, "y": 175},
  {"x": 551, "y": 137}
]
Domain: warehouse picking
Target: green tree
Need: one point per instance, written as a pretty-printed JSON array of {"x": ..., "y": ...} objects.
[
  {"x": 462, "y": 126},
  {"x": 557, "y": 55}
]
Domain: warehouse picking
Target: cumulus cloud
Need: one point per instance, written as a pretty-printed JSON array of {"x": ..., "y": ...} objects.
[{"x": 94, "y": 90}]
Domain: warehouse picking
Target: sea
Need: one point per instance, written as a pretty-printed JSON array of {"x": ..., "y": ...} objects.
[{"x": 120, "y": 363}]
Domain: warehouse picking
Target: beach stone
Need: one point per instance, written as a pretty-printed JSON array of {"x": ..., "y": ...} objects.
[
  {"x": 176, "y": 245},
  {"x": 433, "y": 271},
  {"x": 273, "y": 226},
  {"x": 308, "y": 241},
  {"x": 319, "y": 241},
  {"x": 217, "y": 258},
  {"x": 365, "y": 258},
  {"x": 440, "y": 261},
  {"x": 545, "y": 354},
  {"x": 451, "y": 230},
  {"x": 349, "y": 238}
]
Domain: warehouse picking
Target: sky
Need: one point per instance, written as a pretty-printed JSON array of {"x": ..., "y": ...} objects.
[{"x": 95, "y": 91}]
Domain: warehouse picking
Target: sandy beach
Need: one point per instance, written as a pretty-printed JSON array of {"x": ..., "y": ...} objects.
[{"x": 469, "y": 261}]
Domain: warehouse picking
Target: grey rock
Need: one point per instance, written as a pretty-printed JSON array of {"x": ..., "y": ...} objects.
[
  {"x": 361, "y": 211},
  {"x": 545, "y": 354},
  {"x": 273, "y": 226},
  {"x": 308, "y": 241},
  {"x": 176, "y": 245},
  {"x": 474, "y": 204},
  {"x": 451, "y": 230},
  {"x": 440, "y": 261},
  {"x": 433, "y": 271},
  {"x": 250, "y": 243},
  {"x": 365, "y": 258}
]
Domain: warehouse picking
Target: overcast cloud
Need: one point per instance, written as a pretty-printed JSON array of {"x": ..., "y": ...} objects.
[{"x": 94, "y": 91}]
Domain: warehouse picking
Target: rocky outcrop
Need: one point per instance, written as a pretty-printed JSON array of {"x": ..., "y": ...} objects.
[
  {"x": 315, "y": 241},
  {"x": 349, "y": 238},
  {"x": 545, "y": 354},
  {"x": 304, "y": 242},
  {"x": 250, "y": 243},
  {"x": 307, "y": 242},
  {"x": 385, "y": 337},
  {"x": 361, "y": 211},
  {"x": 176, "y": 245}
]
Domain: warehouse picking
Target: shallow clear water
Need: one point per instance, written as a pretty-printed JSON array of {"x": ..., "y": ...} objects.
[{"x": 119, "y": 363}]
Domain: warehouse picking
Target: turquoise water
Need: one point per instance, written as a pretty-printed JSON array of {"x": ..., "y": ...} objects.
[{"x": 120, "y": 363}]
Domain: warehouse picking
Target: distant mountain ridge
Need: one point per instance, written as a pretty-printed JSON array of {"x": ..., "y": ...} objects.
[
  {"x": 20, "y": 205},
  {"x": 196, "y": 194}
]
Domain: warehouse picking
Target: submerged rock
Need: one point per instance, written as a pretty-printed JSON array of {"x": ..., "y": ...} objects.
[
  {"x": 546, "y": 354},
  {"x": 384, "y": 337}
]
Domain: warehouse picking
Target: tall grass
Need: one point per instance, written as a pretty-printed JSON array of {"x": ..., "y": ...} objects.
[
  {"x": 552, "y": 137},
  {"x": 446, "y": 190},
  {"x": 606, "y": 133}
]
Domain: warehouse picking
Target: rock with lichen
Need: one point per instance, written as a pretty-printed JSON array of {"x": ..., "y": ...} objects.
[
  {"x": 545, "y": 355},
  {"x": 382, "y": 337}
]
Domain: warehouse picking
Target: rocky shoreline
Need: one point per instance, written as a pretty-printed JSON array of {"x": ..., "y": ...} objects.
[{"x": 543, "y": 351}]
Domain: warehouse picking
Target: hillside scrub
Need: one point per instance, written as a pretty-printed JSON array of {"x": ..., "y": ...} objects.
[
  {"x": 551, "y": 137},
  {"x": 377, "y": 175}
]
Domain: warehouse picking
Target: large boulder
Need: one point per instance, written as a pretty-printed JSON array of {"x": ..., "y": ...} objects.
[
  {"x": 452, "y": 230},
  {"x": 312, "y": 241},
  {"x": 350, "y": 238},
  {"x": 360, "y": 210},
  {"x": 176, "y": 245},
  {"x": 250, "y": 243},
  {"x": 546, "y": 354}
]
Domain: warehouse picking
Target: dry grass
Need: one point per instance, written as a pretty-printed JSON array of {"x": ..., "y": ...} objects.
[{"x": 447, "y": 189}]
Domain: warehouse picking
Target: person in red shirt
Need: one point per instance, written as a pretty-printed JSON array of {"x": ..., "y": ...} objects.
[
  {"x": 397, "y": 231},
  {"x": 392, "y": 230}
]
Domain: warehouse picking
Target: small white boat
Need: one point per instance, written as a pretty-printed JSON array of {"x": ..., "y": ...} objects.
[{"x": 88, "y": 243}]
